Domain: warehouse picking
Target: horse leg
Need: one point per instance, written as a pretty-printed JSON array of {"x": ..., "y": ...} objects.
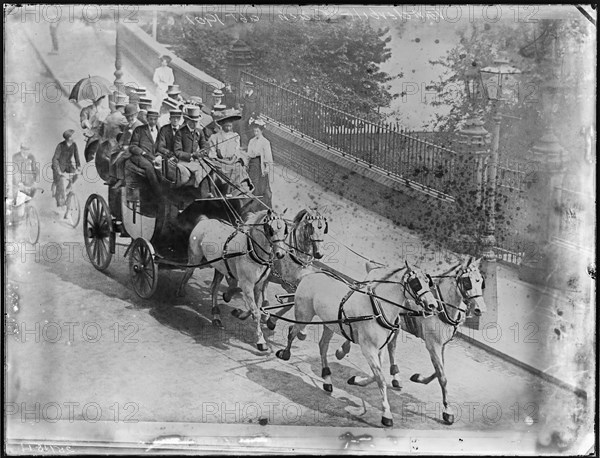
[
  {"x": 286, "y": 352},
  {"x": 391, "y": 347},
  {"x": 373, "y": 356},
  {"x": 343, "y": 350},
  {"x": 214, "y": 287},
  {"x": 232, "y": 289},
  {"x": 186, "y": 277},
  {"x": 248, "y": 293},
  {"x": 323, "y": 347},
  {"x": 436, "y": 353}
]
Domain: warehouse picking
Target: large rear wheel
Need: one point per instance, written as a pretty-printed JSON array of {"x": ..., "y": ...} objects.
[
  {"x": 143, "y": 268},
  {"x": 97, "y": 228}
]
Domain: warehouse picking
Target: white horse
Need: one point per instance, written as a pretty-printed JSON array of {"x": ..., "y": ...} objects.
[
  {"x": 243, "y": 255},
  {"x": 460, "y": 291},
  {"x": 303, "y": 244},
  {"x": 368, "y": 310}
]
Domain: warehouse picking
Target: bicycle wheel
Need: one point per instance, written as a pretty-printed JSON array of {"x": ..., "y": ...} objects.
[
  {"x": 32, "y": 223},
  {"x": 73, "y": 213}
]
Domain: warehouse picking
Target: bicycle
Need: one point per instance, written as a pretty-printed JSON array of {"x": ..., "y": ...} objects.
[
  {"x": 73, "y": 208},
  {"x": 20, "y": 209}
]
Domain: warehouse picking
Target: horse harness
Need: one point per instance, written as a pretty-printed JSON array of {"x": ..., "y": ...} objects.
[{"x": 250, "y": 249}]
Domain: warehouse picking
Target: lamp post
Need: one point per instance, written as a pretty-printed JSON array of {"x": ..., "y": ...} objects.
[
  {"x": 494, "y": 78},
  {"x": 118, "y": 62}
]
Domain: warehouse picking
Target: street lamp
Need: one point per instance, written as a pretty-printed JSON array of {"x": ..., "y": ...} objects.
[{"x": 496, "y": 79}]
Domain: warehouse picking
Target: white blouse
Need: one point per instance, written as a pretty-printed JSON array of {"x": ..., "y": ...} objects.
[{"x": 163, "y": 77}]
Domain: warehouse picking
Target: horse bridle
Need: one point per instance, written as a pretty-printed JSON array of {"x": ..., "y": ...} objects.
[{"x": 294, "y": 244}]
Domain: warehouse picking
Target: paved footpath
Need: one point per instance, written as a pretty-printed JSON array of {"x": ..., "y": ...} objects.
[{"x": 539, "y": 329}]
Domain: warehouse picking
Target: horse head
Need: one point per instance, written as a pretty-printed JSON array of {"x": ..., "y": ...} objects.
[
  {"x": 310, "y": 227},
  {"x": 419, "y": 285},
  {"x": 470, "y": 283},
  {"x": 276, "y": 231}
]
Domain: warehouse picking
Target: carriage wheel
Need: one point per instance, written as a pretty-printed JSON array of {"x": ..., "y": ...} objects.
[
  {"x": 32, "y": 223},
  {"x": 96, "y": 231},
  {"x": 142, "y": 268},
  {"x": 73, "y": 214}
]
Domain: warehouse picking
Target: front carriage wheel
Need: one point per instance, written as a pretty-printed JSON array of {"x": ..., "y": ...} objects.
[
  {"x": 97, "y": 228},
  {"x": 143, "y": 269},
  {"x": 73, "y": 214},
  {"x": 32, "y": 223}
]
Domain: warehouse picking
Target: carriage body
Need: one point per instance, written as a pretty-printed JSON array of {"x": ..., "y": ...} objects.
[{"x": 159, "y": 226}]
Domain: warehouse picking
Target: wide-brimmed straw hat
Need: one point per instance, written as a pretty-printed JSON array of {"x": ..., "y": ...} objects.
[{"x": 224, "y": 116}]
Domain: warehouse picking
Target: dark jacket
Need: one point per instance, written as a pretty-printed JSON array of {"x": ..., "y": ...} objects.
[
  {"x": 143, "y": 138},
  {"x": 128, "y": 132},
  {"x": 166, "y": 140},
  {"x": 250, "y": 106},
  {"x": 230, "y": 100},
  {"x": 189, "y": 141},
  {"x": 62, "y": 161}
]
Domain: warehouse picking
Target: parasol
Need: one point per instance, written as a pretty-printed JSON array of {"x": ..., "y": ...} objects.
[{"x": 90, "y": 88}]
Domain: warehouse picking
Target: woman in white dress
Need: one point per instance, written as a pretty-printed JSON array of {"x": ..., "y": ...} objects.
[
  {"x": 260, "y": 164},
  {"x": 163, "y": 77}
]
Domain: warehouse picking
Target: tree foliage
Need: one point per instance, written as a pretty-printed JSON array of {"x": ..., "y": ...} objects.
[
  {"x": 336, "y": 62},
  {"x": 540, "y": 50}
]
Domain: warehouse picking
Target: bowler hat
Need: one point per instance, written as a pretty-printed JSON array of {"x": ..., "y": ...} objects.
[
  {"x": 173, "y": 89},
  {"x": 131, "y": 109},
  {"x": 191, "y": 112},
  {"x": 68, "y": 134}
]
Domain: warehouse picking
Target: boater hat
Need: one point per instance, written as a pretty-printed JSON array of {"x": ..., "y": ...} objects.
[
  {"x": 195, "y": 100},
  {"x": 120, "y": 99},
  {"x": 217, "y": 93},
  {"x": 145, "y": 103},
  {"x": 152, "y": 112},
  {"x": 175, "y": 113},
  {"x": 173, "y": 89}
]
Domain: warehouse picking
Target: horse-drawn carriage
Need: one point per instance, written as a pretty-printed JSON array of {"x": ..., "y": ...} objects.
[{"x": 159, "y": 224}]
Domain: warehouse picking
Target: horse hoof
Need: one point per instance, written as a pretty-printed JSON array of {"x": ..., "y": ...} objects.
[
  {"x": 388, "y": 422},
  {"x": 239, "y": 314},
  {"x": 217, "y": 323},
  {"x": 301, "y": 336},
  {"x": 263, "y": 347},
  {"x": 448, "y": 418},
  {"x": 328, "y": 387},
  {"x": 396, "y": 384},
  {"x": 352, "y": 380},
  {"x": 226, "y": 298},
  {"x": 415, "y": 378},
  {"x": 339, "y": 354},
  {"x": 270, "y": 324},
  {"x": 283, "y": 354}
]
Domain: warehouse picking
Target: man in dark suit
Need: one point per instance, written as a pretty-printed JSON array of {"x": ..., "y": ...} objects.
[
  {"x": 145, "y": 137},
  {"x": 166, "y": 135},
  {"x": 190, "y": 146}
]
